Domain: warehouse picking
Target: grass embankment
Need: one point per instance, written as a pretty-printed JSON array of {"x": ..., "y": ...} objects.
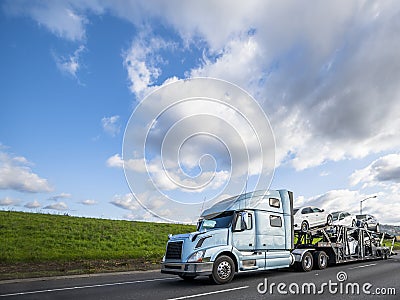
[{"x": 40, "y": 244}]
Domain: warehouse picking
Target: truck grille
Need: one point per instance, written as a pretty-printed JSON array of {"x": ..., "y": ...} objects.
[{"x": 174, "y": 250}]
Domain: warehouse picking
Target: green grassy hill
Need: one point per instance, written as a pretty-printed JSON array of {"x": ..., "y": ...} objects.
[{"x": 40, "y": 238}]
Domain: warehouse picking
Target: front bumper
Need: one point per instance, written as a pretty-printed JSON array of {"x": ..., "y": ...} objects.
[{"x": 204, "y": 268}]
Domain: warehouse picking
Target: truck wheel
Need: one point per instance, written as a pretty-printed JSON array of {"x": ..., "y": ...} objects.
[
  {"x": 306, "y": 263},
  {"x": 223, "y": 270},
  {"x": 188, "y": 277},
  {"x": 304, "y": 226},
  {"x": 320, "y": 260},
  {"x": 329, "y": 220}
]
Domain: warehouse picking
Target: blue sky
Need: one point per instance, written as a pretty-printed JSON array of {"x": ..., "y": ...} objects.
[{"x": 326, "y": 75}]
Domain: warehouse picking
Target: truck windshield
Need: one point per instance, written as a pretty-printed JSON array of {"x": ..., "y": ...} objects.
[{"x": 223, "y": 220}]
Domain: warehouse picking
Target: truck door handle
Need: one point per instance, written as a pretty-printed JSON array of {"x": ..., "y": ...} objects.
[{"x": 250, "y": 244}]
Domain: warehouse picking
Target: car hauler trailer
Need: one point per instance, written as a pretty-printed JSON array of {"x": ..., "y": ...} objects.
[{"x": 254, "y": 231}]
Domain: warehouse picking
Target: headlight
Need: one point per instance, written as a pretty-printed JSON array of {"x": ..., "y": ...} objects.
[{"x": 197, "y": 256}]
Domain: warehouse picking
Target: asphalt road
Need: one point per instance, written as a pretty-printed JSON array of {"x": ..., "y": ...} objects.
[{"x": 373, "y": 277}]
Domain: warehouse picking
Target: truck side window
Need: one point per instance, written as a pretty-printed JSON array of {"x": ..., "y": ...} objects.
[
  {"x": 249, "y": 221},
  {"x": 273, "y": 202},
  {"x": 275, "y": 221}
]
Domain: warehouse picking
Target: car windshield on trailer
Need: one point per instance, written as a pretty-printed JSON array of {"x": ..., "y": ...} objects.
[{"x": 335, "y": 215}]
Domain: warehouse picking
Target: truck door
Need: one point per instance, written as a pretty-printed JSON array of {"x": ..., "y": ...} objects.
[{"x": 243, "y": 236}]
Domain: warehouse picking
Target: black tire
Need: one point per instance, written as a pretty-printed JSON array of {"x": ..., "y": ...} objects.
[
  {"x": 365, "y": 226},
  {"x": 188, "y": 277},
  {"x": 377, "y": 229},
  {"x": 329, "y": 220},
  {"x": 320, "y": 260},
  {"x": 306, "y": 263},
  {"x": 353, "y": 223},
  {"x": 223, "y": 270},
  {"x": 304, "y": 226}
]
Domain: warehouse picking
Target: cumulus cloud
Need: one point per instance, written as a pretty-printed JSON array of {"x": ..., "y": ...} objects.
[
  {"x": 89, "y": 202},
  {"x": 116, "y": 161},
  {"x": 33, "y": 204},
  {"x": 383, "y": 172},
  {"x": 62, "y": 18},
  {"x": 59, "y": 196},
  {"x": 8, "y": 201},
  {"x": 111, "y": 125},
  {"x": 70, "y": 64},
  {"x": 142, "y": 62},
  {"x": 150, "y": 201},
  {"x": 57, "y": 206},
  {"x": 16, "y": 174}
]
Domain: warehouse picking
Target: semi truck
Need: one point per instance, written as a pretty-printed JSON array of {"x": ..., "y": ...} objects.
[{"x": 254, "y": 231}]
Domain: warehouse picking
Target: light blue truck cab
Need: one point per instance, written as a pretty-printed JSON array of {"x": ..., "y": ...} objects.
[{"x": 245, "y": 233}]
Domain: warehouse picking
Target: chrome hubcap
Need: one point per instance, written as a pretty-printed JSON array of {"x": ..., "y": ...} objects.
[
  {"x": 322, "y": 260},
  {"x": 307, "y": 262},
  {"x": 224, "y": 270}
]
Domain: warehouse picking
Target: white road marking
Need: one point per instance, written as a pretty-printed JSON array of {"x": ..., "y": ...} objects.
[
  {"x": 210, "y": 293},
  {"x": 364, "y": 266},
  {"x": 86, "y": 287}
]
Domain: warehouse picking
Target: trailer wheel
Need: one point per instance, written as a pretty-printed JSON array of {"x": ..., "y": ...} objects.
[
  {"x": 304, "y": 226},
  {"x": 353, "y": 223},
  {"x": 306, "y": 263},
  {"x": 188, "y": 277},
  {"x": 223, "y": 270},
  {"x": 320, "y": 260}
]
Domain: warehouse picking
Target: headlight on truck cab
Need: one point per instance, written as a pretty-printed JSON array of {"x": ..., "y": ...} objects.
[{"x": 197, "y": 256}]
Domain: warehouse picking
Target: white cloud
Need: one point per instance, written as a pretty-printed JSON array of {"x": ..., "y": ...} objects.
[
  {"x": 60, "y": 196},
  {"x": 159, "y": 210},
  {"x": 16, "y": 174},
  {"x": 71, "y": 64},
  {"x": 59, "y": 17},
  {"x": 126, "y": 201},
  {"x": 57, "y": 206},
  {"x": 111, "y": 125},
  {"x": 8, "y": 201},
  {"x": 116, "y": 161},
  {"x": 33, "y": 204},
  {"x": 88, "y": 202},
  {"x": 384, "y": 170},
  {"x": 142, "y": 62}
]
